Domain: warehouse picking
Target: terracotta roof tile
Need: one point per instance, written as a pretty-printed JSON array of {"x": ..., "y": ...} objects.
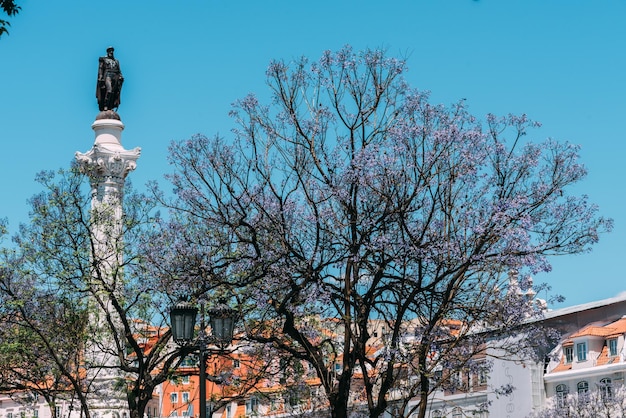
[
  {"x": 619, "y": 326},
  {"x": 562, "y": 366},
  {"x": 593, "y": 331},
  {"x": 603, "y": 358},
  {"x": 610, "y": 330}
]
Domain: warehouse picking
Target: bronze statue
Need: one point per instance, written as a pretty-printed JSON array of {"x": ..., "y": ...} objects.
[{"x": 110, "y": 80}]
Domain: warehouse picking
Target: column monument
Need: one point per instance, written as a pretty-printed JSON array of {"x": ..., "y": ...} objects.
[{"x": 107, "y": 164}]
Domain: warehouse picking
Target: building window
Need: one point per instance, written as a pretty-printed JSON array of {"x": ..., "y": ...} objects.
[
  {"x": 455, "y": 381},
  {"x": 437, "y": 376},
  {"x": 613, "y": 347},
  {"x": 482, "y": 377},
  {"x": 569, "y": 354},
  {"x": 583, "y": 391},
  {"x": 189, "y": 361},
  {"x": 174, "y": 397},
  {"x": 184, "y": 380},
  {"x": 252, "y": 405},
  {"x": 437, "y": 414},
  {"x": 236, "y": 364},
  {"x": 185, "y": 397},
  {"x": 457, "y": 413},
  {"x": 561, "y": 395},
  {"x": 606, "y": 389},
  {"x": 581, "y": 351}
]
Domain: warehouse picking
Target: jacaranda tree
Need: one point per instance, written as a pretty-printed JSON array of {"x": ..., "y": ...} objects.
[{"x": 348, "y": 200}]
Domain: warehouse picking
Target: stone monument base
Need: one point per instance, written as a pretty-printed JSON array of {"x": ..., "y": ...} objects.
[{"x": 108, "y": 114}]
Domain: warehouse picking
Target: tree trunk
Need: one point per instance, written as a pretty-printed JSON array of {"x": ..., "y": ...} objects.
[
  {"x": 339, "y": 408},
  {"x": 138, "y": 399},
  {"x": 339, "y": 397}
]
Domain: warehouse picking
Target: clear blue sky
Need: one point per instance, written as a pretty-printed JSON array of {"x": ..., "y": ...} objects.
[{"x": 561, "y": 62}]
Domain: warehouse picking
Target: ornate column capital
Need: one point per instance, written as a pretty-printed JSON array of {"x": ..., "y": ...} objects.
[
  {"x": 103, "y": 164},
  {"x": 108, "y": 161}
]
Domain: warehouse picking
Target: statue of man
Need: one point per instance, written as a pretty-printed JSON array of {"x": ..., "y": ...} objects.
[{"x": 110, "y": 79}]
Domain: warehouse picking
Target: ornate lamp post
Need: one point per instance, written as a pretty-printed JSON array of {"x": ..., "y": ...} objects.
[{"x": 183, "y": 320}]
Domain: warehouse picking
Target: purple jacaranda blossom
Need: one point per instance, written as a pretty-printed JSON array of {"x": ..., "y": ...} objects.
[{"x": 364, "y": 230}]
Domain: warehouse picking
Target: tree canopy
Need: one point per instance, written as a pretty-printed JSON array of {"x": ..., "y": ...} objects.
[{"x": 349, "y": 199}]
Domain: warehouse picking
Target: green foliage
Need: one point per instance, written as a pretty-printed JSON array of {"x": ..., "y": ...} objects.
[
  {"x": 41, "y": 333},
  {"x": 74, "y": 290},
  {"x": 10, "y": 8},
  {"x": 44, "y": 277}
]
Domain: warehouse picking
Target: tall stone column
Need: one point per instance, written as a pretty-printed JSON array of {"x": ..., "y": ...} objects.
[{"x": 106, "y": 164}]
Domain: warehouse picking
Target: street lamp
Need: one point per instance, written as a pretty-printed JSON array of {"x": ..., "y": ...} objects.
[{"x": 183, "y": 320}]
